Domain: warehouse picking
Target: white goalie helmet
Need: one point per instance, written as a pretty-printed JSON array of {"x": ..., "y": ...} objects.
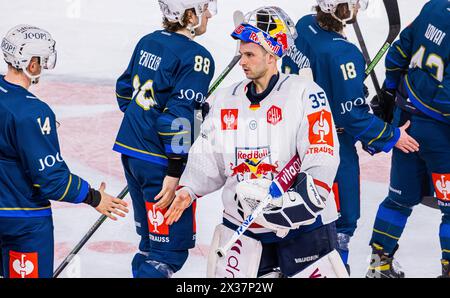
[
  {"x": 330, "y": 6},
  {"x": 24, "y": 42},
  {"x": 173, "y": 10},
  {"x": 269, "y": 27}
]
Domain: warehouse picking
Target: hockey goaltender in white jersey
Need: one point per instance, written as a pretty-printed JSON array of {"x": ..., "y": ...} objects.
[
  {"x": 245, "y": 141},
  {"x": 240, "y": 142}
]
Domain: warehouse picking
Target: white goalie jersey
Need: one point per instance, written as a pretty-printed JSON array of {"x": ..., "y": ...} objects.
[{"x": 240, "y": 141}]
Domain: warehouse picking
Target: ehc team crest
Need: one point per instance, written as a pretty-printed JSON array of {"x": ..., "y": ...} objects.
[{"x": 253, "y": 163}]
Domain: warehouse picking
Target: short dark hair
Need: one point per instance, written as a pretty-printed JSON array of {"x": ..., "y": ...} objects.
[
  {"x": 328, "y": 22},
  {"x": 176, "y": 26}
]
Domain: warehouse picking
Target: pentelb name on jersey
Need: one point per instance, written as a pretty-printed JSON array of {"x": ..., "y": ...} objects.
[{"x": 149, "y": 60}]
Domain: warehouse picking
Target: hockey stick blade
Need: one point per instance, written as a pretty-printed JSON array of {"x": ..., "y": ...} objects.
[
  {"x": 238, "y": 18},
  {"x": 393, "y": 14},
  {"x": 283, "y": 181}
]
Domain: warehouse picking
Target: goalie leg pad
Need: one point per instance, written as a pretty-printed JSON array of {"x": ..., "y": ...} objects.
[
  {"x": 329, "y": 266},
  {"x": 297, "y": 253},
  {"x": 241, "y": 261}
]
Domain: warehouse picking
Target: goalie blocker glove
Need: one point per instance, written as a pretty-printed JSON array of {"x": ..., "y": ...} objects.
[{"x": 297, "y": 207}]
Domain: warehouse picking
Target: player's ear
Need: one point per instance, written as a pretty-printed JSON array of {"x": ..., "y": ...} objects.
[
  {"x": 270, "y": 58},
  {"x": 191, "y": 17},
  {"x": 34, "y": 67},
  {"x": 343, "y": 11}
]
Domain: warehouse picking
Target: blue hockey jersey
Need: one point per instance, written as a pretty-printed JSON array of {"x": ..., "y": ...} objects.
[
  {"x": 423, "y": 50},
  {"x": 167, "y": 78},
  {"x": 32, "y": 170},
  {"x": 339, "y": 68}
]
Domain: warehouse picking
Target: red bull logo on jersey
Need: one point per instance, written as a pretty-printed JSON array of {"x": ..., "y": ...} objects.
[
  {"x": 441, "y": 184},
  {"x": 23, "y": 265},
  {"x": 253, "y": 163},
  {"x": 321, "y": 133}
]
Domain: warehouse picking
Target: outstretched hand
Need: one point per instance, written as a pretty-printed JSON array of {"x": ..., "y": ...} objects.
[
  {"x": 110, "y": 205},
  {"x": 167, "y": 193},
  {"x": 406, "y": 143},
  {"x": 181, "y": 203}
]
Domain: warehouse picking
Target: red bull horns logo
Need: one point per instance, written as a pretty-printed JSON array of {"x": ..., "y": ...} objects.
[{"x": 253, "y": 163}]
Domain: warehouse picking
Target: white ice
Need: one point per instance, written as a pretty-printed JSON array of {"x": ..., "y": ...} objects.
[{"x": 95, "y": 39}]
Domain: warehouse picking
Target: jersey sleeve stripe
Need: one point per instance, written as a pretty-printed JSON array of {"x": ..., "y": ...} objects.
[
  {"x": 401, "y": 52},
  {"x": 379, "y": 136},
  {"x": 67, "y": 188},
  {"x": 173, "y": 133},
  {"x": 124, "y": 97}
]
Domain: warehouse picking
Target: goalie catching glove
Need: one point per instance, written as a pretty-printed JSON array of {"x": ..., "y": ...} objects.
[{"x": 297, "y": 207}]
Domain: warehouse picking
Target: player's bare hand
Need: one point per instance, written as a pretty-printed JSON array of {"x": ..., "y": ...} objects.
[
  {"x": 181, "y": 203},
  {"x": 110, "y": 205},
  {"x": 406, "y": 143},
  {"x": 167, "y": 193}
]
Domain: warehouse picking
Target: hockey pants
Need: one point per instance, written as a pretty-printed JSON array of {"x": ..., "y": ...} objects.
[
  {"x": 163, "y": 249},
  {"x": 27, "y": 247},
  {"x": 409, "y": 178}
]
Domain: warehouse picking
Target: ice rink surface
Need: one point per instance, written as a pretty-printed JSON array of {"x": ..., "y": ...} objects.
[{"x": 95, "y": 39}]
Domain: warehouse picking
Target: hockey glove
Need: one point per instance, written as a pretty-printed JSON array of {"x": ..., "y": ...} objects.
[
  {"x": 299, "y": 206},
  {"x": 383, "y": 105},
  {"x": 366, "y": 91}
]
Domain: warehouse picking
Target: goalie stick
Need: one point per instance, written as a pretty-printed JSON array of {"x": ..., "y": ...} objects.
[
  {"x": 282, "y": 182},
  {"x": 238, "y": 18}
]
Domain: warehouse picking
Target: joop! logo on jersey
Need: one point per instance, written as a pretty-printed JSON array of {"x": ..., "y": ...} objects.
[{"x": 49, "y": 161}]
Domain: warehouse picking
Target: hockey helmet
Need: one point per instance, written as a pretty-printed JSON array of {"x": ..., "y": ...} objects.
[
  {"x": 329, "y": 6},
  {"x": 24, "y": 42},
  {"x": 269, "y": 27},
  {"x": 173, "y": 10}
]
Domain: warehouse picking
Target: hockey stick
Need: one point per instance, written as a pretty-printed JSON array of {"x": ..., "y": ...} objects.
[
  {"x": 393, "y": 14},
  {"x": 238, "y": 18},
  {"x": 366, "y": 55},
  {"x": 283, "y": 181},
  {"x": 85, "y": 239}
]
